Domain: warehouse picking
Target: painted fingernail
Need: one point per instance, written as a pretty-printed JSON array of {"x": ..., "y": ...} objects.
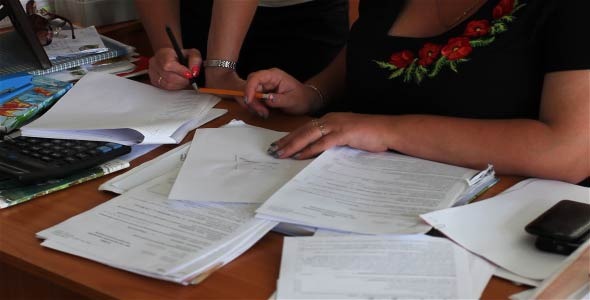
[
  {"x": 272, "y": 149},
  {"x": 262, "y": 115},
  {"x": 245, "y": 100},
  {"x": 278, "y": 154},
  {"x": 187, "y": 75},
  {"x": 196, "y": 70},
  {"x": 297, "y": 155}
]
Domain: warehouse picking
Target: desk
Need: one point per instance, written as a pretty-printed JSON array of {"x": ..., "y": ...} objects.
[{"x": 29, "y": 271}]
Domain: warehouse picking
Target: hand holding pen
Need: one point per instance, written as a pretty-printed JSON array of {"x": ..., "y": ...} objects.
[{"x": 168, "y": 72}]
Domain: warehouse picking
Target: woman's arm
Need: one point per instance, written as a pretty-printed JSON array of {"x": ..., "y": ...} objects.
[
  {"x": 292, "y": 96},
  {"x": 557, "y": 146},
  {"x": 154, "y": 16},
  {"x": 230, "y": 21}
]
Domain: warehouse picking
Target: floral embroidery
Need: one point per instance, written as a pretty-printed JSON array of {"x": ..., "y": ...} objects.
[{"x": 433, "y": 58}]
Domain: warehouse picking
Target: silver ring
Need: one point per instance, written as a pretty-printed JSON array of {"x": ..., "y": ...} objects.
[
  {"x": 160, "y": 81},
  {"x": 320, "y": 125}
]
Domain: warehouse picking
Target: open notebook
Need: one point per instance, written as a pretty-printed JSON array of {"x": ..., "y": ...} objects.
[{"x": 105, "y": 107}]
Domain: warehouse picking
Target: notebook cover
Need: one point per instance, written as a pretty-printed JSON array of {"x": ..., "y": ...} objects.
[{"x": 24, "y": 107}]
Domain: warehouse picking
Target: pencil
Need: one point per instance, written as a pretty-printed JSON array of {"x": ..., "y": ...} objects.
[{"x": 223, "y": 92}]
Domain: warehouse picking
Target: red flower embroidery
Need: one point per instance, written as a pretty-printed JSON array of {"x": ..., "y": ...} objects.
[
  {"x": 503, "y": 8},
  {"x": 428, "y": 54},
  {"x": 456, "y": 48},
  {"x": 477, "y": 28},
  {"x": 401, "y": 59}
]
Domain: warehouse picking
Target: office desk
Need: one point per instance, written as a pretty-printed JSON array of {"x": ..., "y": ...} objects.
[{"x": 30, "y": 271}]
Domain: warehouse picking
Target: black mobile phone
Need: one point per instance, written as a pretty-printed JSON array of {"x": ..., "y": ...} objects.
[{"x": 562, "y": 228}]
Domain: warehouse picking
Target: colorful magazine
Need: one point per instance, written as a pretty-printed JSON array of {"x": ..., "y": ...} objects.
[
  {"x": 13, "y": 192},
  {"x": 24, "y": 107}
]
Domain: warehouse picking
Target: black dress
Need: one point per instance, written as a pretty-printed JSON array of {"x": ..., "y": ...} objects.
[
  {"x": 301, "y": 39},
  {"x": 489, "y": 66}
]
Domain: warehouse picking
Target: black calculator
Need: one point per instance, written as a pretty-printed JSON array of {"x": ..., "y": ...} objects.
[{"x": 30, "y": 159}]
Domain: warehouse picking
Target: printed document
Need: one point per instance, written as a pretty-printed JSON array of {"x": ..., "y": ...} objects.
[
  {"x": 494, "y": 228},
  {"x": 106, "y": 107},
  {"x": 232, "y": 165},
  {"x": 87, "y": 41},
  {"x": 379, "y": 267},
  {"x": 144, "y": 232},
  {"x": 371, "y": 193}
]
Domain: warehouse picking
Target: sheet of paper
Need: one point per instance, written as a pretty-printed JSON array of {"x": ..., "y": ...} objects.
[
  {"x": 374, "y": 267},
  {"x": 104, "y": 101},
  {"x": 87, "y": 41},
  {"x": 371, "y": 193},
  {"x": 232, "y": 165},
  {"x": 143, "y": 230},
  {"x": 502, "y": 219}
]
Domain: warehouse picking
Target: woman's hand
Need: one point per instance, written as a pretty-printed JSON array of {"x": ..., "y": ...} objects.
[
  {"x": 167, "y": 73},
  {"x": 360, "y": 131},
  {"x": 287, "y": 93}
]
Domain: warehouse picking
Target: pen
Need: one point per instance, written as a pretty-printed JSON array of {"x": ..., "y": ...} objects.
[
  {"x": 181, "y": 58},
  {"x": 223, "y": 92}
]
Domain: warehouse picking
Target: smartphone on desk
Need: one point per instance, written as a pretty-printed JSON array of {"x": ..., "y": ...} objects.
[{"x": 562, "y": 228}]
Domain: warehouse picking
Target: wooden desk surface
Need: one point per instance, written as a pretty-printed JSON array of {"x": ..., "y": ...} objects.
[
  {"x": 252, "y": 276},
  {"x": 29, "y": 271}
]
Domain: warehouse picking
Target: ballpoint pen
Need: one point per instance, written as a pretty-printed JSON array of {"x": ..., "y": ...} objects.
[{"x": 181, "y": 58}]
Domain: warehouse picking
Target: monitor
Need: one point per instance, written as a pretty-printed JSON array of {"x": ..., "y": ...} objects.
[{"x": 20, "y": 49}]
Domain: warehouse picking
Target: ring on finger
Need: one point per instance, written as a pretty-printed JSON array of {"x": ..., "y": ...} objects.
[
  {"x": 320, "y": 125},
  {"x": 160, "y": 81}
]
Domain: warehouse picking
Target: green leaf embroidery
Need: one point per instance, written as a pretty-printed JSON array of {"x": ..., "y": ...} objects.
[
  {"x": 385, "y": 65},
  {"x": 421, "y": 71},
  {"x": 410, "y": 71},
  {"x": 440, "y": 63},
  {"x": 453, "y": 66},
  {"x": 396, "y": 73},
  {"x": 498, "y": 27},
  {"x": 482, "y": 42}
]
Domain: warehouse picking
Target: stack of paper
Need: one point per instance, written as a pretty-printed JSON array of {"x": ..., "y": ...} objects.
[
  {"x": 105, "y": 107},
  {"x": 143, "y": 232},
  {"x": 87, "y": 41},
  {"x": 370, "y": 193},
  {"x": 502, "y": 219},
  {"x": 379, "y": 267}
]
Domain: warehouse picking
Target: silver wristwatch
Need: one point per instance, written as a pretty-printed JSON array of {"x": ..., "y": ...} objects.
[{"x": 220, "y": 63}]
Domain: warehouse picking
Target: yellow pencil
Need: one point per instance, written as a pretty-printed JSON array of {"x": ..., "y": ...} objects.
[{"x": 232, "y": 93}]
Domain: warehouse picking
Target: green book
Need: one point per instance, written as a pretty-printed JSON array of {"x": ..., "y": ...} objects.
[
  {"x": 13, "y": 192},
  {"x": 25, "y": 107}
]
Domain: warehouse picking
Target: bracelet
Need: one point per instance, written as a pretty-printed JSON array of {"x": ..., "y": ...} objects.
[
  {"x": 220, "y": 63},
  {"x": 317, "y": 91}
]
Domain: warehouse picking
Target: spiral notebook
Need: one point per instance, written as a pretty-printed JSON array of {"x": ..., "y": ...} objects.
[{"x": 14, "y": 49}]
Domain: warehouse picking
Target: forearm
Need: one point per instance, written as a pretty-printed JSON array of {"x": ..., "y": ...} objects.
[
  {"x": 154, "y": 16},
  {"x": 523, "y": 147},
  {"x": 331, "y": 81},
  {"x": 229, "y": 24}
]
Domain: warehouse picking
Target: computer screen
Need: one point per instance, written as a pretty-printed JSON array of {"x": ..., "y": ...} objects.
[{"x": 20, "y": 49}]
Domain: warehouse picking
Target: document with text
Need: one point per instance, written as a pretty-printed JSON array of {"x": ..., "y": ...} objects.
[
  {"x": 106, "y": 107},
  {"x": 371, "y": 193},
  {"x": 379, "y": 267},
  {"x": 143, "y": 232},
  {"x": 502, "y": 219},
  {"x": 231, "y": 165}
]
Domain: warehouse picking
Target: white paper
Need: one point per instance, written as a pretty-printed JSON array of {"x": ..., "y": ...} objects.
[
  {"x": 372, "y": 193},
  {"x": 494, "y": 228},
  {"x": 87, "y": 41},
  {"x": 375, "y": 267},
  {"x": 108, "y": 107},
  {"x": 143, "y": 231},
  {"x": 232, "y": 165}
]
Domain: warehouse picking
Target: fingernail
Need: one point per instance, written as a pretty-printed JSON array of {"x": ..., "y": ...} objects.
[
  {"x": 262, "y": 115},
  {"x": 245, "y": 100},
  {"x": 187, "y": 75},
  {"x": 297, "y": 155},
  {"x": 271, "y": 98},
  {"x": 196, "y": 70},
  {"x": 278, "y": 154},
  {"x": 272, "y": 148}
]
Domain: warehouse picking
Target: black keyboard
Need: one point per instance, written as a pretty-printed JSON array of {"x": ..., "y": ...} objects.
[{"x": 31, "y": 159}]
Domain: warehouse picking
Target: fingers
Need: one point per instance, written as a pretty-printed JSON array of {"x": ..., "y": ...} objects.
[
  {"x": 167, "y": 73},
  {"x": 265, "y": 80},
  {"x": 194, "y": 61},
  {"x": 305, "y": 142}
]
